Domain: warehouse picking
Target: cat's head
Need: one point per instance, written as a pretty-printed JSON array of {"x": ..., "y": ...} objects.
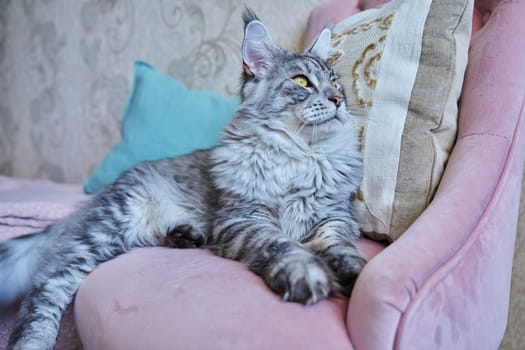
[{"x": 298, "y": 93}]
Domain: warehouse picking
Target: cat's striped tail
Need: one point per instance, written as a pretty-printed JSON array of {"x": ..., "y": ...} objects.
[{"x": 19, "y": 261}]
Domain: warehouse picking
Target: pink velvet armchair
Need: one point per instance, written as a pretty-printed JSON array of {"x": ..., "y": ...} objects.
[{"x": 444, "y": 284}]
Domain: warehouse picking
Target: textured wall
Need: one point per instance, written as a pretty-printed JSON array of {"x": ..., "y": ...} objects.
[{"x": 66, "y": 68}]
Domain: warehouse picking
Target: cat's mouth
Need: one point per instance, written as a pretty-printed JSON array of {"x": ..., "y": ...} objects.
[{"x": 322, "y": 121}]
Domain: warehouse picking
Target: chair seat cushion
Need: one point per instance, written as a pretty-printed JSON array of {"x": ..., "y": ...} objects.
[{"x": 161, "y": 298}]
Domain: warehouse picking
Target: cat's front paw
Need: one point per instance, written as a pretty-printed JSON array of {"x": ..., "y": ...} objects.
[
  {"x": 346, "y": 264},
  {"x": 305, "y": 281},
  {"x": 184, "y": 236}
]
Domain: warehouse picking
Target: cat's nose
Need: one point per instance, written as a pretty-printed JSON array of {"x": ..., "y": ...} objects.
[{"x": 336, "y": 99}]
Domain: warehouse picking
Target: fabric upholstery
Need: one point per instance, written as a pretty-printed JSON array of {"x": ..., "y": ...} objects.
[{"x": 159, "y": 298}]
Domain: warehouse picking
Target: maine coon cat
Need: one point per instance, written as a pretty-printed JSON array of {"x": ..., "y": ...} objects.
[{"x": 275, "y": 195}]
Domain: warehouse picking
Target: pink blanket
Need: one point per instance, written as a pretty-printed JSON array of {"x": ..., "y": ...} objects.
[
  {"x": 31, "y": 205},
  {"x": 27, "y": 206}
]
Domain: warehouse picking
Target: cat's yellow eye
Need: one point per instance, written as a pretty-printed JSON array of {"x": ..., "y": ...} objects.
[
  {"x": 301, "y": 80},
  {"x": 334, "y": 83}
]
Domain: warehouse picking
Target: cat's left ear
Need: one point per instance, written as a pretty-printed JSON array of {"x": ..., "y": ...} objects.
[{"x": 322, "y": 46}]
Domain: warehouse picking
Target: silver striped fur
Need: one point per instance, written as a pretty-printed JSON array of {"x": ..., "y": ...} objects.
[{"x": 276, "y": 195}]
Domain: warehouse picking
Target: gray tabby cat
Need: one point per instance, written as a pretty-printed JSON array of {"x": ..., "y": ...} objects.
[{"x": 275, "y": 195}]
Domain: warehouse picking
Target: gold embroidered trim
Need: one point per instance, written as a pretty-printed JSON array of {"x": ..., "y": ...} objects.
[
  {"x": 383, "y": 23},
  {"x": 364, "y": 70}
]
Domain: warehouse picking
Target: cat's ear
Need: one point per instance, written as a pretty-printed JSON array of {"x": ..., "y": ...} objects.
[
  {"x": 322, "y": 46},
  {"x": 258, "y": 49}
]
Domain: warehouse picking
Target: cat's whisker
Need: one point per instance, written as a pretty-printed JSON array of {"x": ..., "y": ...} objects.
[
  {"x": 303, "y": 124},
  {"x": 315, "y": 133}
]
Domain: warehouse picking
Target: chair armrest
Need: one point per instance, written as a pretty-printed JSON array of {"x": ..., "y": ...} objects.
[
  {"x": 446, "y": 282},
  {"x": 450, "y": 272}
]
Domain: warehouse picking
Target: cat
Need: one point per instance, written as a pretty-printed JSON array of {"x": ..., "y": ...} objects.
[{"x": 275, "y": 195}]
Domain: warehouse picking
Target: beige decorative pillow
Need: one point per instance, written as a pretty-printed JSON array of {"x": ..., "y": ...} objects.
[{"x": 402, "y": 66}]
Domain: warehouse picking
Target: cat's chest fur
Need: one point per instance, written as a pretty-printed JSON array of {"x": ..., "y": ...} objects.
[
  {"x": 316, "y": 184},
  {"x": 299, "y": 186}
]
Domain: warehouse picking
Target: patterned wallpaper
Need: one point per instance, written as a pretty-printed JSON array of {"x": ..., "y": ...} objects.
[{"x": 66, "y": 69}]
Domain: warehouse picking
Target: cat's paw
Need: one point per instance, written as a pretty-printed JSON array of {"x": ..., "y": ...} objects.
[
  {"x": 346, "y": 264},
  {"x": 305, "y": 281},
  {"x": 184, "y": 236}
]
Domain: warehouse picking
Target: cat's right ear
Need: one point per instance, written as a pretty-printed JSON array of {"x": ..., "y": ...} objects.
[
  {"x": 258, "y": 49},
  {"x": 322, "y": 46}
]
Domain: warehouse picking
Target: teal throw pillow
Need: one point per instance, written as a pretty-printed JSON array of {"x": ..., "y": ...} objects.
[{"x": 163, "y": 119}]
